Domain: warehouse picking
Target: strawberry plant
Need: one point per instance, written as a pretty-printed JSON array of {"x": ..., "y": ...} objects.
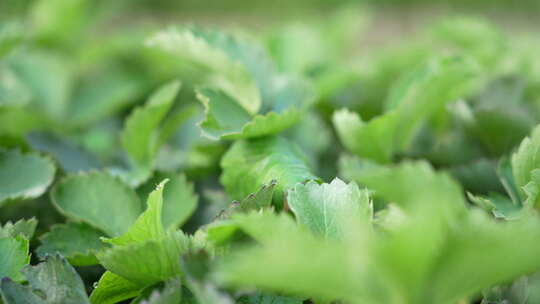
[{"x": 207, "y": 164}]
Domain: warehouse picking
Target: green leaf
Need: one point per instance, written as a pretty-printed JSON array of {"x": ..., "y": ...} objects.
[
  {"x": 104, "y": 94},
  {"x": 57, "y": 280},
  {"x": 148, "y": 262},
  {"x": 255, "y": 201},
  {"x": 298, "y": 261},
  {"x": 140, "y": 136},
  {"x": 170, "y": 293},
  {"x": 224, "y": 117},
  {"x": 526, "y": 159},
  {"x": 24, "y": 176},
  {"x": 70, "y": 157},
  {"x": 51, "y": 94},
  {"x": 414, "y": 99},
  {"x": 326, "y": 209},
  {"x": 469, "y": 247},
  {"x": 250, "y": 164},
  {"x": 13, "y": 293},
  {"x": 196, "y": 267},
  {"x": 148, "y": 225},
  {"x": 14, "y": 255},
  {"x": 415, "y": 185},
  {"x": 76, "y": 241},
  {"x": 179, "y": 199},
  {"x": 219, "y": 69},
  {"x": 22, "y": 227},
  {"x": 99, "y": 200},
  {"x": 112, "y": 288}
]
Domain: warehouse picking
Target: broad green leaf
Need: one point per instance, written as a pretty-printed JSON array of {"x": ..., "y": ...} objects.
[
  {"x": 250, "y": 164},
  {"x": 298, "y": 260},
  {"x": 13, "y": 293},
  {"x": 414, "y": 99},
  {"x": 148, "y": 225},
  {"x": 57, "y": 281},
  {"x": 148, "y": 262},
  {"x": 76, "y": 241},
  {"x": 220, "y": 70},
  {"x": 326, "y": 209},
  {"x": 98, "y": 199},
  {"x": 14, "y": 255},
  {"x": 526, "y": 159},
  {"x": 24, "y": 176},
  {"x": 112, "y": 288},
  {"x": 179, "y": 199},
  {"x": 140, "y": 136},
  {"x": 21, "y": 227}
]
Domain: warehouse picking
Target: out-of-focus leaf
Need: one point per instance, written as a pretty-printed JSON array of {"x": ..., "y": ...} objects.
[
  {"x": 76, "y": 241},
  {"x": 101, "y": 96},
  {"x": 249, "y": 164},
  {"x": 220, "y": 70},
  {"x": 58, "y": 21},
  {"x": 139, "y": 136},
  {"x": 170, "y": 293},
  {"x": 69, "y": 156},
  {"x": 50, "y": 94},
  {"x": 412, "y": 100},
  {"x": 24, "y": 175},
  {"x": 99, "y": 200},
  {"x": 13, "y": 92}
]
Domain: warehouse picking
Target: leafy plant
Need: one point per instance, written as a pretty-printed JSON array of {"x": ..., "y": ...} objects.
[{"x": 287, "y": 165}]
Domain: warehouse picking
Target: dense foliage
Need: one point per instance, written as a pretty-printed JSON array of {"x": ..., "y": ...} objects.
[{"x": 191, "y": 164}]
